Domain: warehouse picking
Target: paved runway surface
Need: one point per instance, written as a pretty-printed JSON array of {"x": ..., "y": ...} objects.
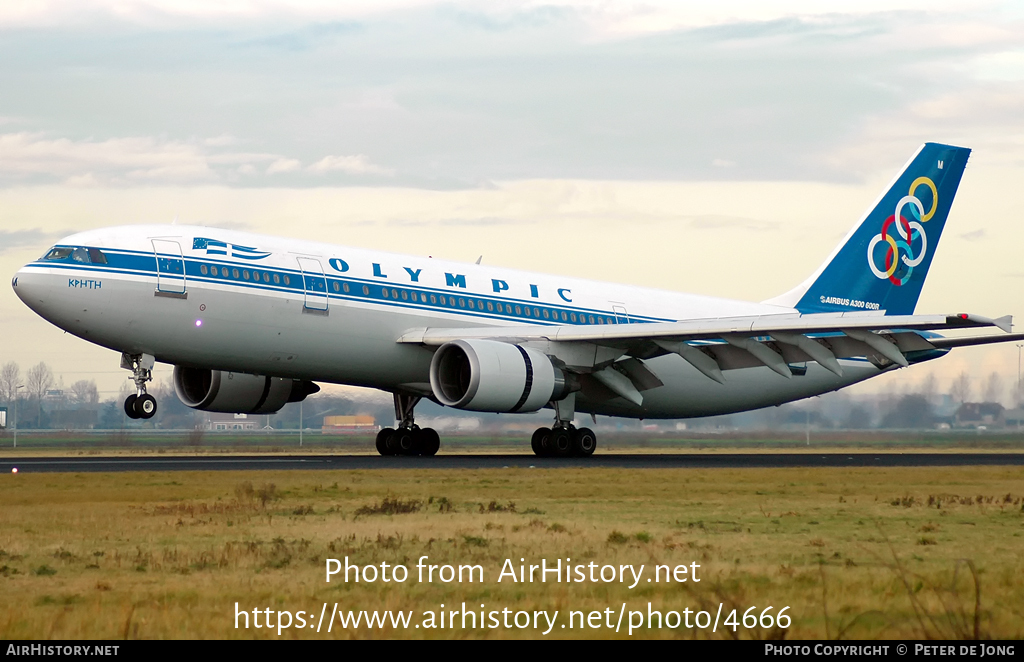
[{"x": 621, "y": 461}]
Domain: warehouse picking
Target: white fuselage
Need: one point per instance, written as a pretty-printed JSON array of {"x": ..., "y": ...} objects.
[{"x": 266, "y": 305}]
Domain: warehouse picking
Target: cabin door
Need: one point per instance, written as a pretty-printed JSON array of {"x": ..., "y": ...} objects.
[
  {"x": 170, "y": 268},
  {"x": 314, "y": 283}
]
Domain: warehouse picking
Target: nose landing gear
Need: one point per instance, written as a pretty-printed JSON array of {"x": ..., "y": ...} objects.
[{"x": 139, "y": 404}]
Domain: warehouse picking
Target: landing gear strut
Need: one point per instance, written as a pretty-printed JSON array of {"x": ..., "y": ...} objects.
[
  {"x": 563, "y": 439},
  {"x": 408, "y": 438},
  {"x": 140, "y": 404}
]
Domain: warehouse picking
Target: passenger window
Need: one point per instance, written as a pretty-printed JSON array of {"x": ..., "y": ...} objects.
[
  {"x": 405, "y": 295},
  {"x": 203, "y": 269},
  {"x": 384, "y": 291},
  {"x": 471, "y": 305},
  {"x": 591, "y": 319},
  {"x": 213, "y": 270},
  {"x": 462, "y": 303},
  {"x": 287, "y": 280},
  {"x": 266, "y": 277},
  {"x": 96, "y": 256},
  {"x": 572, "y": 316},
  {"x": 394, "y": 293},
  {"x": 245, "y": 274},
  {"x": 519, "y": 311},
  {"x": 490, "y": 306},
  {"x": 366, "y": 291},
  {"x": 433, "y": 299},
  {"x": 256, "y": 276},
  {"x": 234, "y": 273},
  {"x": 345, "y": 287},
  {"x": 444, "y": 302},
  {"x": 337, "y": 288},
  {"x": 545, "y": 313},
  {"x": 525, "y": 310},
  {"x": 277, "y": 279},
  {"x": 563, "y": 315}
]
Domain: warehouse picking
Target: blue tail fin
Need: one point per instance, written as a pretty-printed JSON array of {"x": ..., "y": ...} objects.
[{"x": 882, "y": 263}]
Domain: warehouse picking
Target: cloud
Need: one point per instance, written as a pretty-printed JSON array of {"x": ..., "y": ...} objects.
[
  {"x": 26, "y": 155},
  {"x": 36, "y": 157},
  {"x": 719, "y": 222},
  {"x": 283, "y": 165},
  {"x": 448, "y": 94},
  {"x": 10, "y": 239},
  {"x": 973, "y": 236},
  {"x": 356, "y": 164}
]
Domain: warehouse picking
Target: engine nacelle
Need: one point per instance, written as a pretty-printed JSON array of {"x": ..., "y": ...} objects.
[
  {"x": 487, "y": 375},
  {"x": 237, "y": 392}
]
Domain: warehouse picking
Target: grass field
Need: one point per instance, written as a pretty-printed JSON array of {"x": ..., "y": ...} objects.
[{"x": 854, "y": 553}]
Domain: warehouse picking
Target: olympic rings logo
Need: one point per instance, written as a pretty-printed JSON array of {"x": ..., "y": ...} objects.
[{"x": 908, "y": 232}]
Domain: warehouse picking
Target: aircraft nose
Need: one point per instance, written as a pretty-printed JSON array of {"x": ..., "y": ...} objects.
[{"x": 23, "y": 286}]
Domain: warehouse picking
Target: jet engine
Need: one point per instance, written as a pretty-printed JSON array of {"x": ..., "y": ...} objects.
[
  {"x": 487, "y": 375},
  {"x": 236, "y": 392}
]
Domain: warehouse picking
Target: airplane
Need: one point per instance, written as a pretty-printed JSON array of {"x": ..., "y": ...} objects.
[{"x": 251, "y": 322}]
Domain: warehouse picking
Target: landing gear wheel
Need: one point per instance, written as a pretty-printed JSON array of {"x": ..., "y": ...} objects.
[
  {"x": 145, "y": 406},
  {"x": 559, "y": 442},
  {"x": 537, "y": 441},
  {"x": 382, "y": 440},
  {"x": 129, "y": 406},
  {"x": 403, "y": 442},
  {"x": 584, "y": 442},
  {"x": 412, "y": 442},
  {"x": 431, "y": 442}
]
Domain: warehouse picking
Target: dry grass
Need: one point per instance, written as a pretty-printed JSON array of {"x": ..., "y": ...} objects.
[{"x": 855, "y": 553}]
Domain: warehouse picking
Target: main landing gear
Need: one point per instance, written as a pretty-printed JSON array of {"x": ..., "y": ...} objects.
[
  {"x": 140, "y": 404},
  {"x": 408, "y": 438},
  {"x": 563, "y": 439},
  {"x": 563, "y": 442}
]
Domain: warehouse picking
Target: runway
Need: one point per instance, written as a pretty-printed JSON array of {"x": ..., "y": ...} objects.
[{"x": 454, "y": 462}]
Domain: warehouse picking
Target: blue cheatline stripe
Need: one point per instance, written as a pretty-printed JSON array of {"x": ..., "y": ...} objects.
[
  {"x": 138, "y": 262},
  {"x": 142, "y": 263}
]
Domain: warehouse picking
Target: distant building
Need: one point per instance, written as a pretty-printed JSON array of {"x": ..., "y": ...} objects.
[
  {"x": 980, "y": 415},
  {"x": 219, "y": 422},
  {"x": 349, "y": 424},
  {"x": 1014, "y": 418}
]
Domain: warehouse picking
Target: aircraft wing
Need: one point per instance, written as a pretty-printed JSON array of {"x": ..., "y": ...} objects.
[{"x": 716, "y": 345}]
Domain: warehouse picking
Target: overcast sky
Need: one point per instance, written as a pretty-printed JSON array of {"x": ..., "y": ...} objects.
[{"x": 720, "y": 150}]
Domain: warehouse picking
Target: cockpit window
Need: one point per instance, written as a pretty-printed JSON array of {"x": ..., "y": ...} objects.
[
  {"x": 57, "y": 254},
  {"x": 79, "y": 254}
]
